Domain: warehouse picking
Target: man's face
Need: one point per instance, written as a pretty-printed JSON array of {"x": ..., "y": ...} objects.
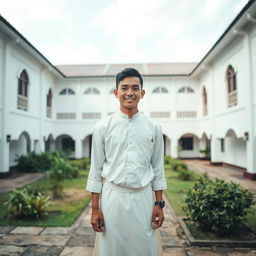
[{"x": 129, "y": 93}]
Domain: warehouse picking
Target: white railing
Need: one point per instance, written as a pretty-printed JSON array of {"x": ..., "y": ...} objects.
[
  {"x": 22, "y": 102},
  {"x": 160, "y": 114},
  {"x": 186, "y": 114},
  {"x": 91, "y": 115},
  {"x": 205, "y": 110},
  {"x": 232, "y": 98},
  {"x": 66, "y": 115},
  {"x": 49, "y": 112}
]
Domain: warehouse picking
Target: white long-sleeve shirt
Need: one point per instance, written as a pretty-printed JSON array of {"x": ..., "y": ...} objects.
[{"x": 127, "y": 152}]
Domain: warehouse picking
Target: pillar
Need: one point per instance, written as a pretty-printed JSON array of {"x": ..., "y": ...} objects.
[{"x": 78, "y": 148}]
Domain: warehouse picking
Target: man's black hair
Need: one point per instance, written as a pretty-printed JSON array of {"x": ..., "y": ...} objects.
[{"x": 128, "y": 72}]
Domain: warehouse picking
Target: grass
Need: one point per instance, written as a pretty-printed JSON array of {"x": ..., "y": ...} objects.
[
  {"x": 62, "y": 212},
  {"x": 176, "y": 190}
]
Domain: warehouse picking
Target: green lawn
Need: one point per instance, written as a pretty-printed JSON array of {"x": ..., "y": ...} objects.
[
  {"x": 176, "y": 191},
  {"x": 62, "y": 213}
]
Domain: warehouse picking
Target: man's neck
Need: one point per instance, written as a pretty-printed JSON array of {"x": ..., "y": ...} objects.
[{"x": 129, "y": 112}]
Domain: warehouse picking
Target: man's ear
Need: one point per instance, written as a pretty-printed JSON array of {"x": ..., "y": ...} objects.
[
  {"x": 142, "y": 93},
  {"x": 115, "y": 93}
]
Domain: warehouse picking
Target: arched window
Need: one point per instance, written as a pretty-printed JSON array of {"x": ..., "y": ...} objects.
[
  {"x": 205, "y": 107},
  {"x": 231, "y": 86},
  {"x": 91, "y": 90},
  {"x": 67, "y": 91},
  {"x": 23, "y": 82},
  {"x": 186, "y": 89},
  {"x": 160, "y": 90},
  {"x": 49, "y": 103}
]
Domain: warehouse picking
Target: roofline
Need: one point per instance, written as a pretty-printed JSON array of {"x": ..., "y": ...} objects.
[
  {"x": 247, "y": 6},
  {"x": 2, "y": 19},
  {"x": 110, "y": 76}
]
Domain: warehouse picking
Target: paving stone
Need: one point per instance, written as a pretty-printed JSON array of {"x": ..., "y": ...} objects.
[
  {"x": 242, "y": 253},
  {"x": 37, "y": 250},
  {"x": 11, "y": 250},
  {"x": 5, "y": 230},
  {"x": 174, "y": 252},
  {"x": 77, "y": 251},
  {"x": 171, "y": 241},
  {"x": 84, "y": 231},
  {"x": 46, "y": 240},
  {"x": 81, "y": 240},
  {"x": 57, "y": 231},
  {"x": 27, "y": 230},
  {"x": 203, "y": 252}
]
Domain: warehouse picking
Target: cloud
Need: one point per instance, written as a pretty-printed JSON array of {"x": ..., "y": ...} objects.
[
  {"x": 120, "y": 30},
  {"x": 211, "y": 9}
]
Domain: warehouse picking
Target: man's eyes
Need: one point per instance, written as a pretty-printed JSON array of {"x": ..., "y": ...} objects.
[{"x": 134, "y": 88}]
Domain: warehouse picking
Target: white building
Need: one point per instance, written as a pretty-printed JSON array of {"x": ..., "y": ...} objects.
[{"x": 209, "y": 104}]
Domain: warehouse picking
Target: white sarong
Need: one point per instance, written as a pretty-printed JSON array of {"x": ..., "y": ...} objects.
[{"x": 128, "y": 217}]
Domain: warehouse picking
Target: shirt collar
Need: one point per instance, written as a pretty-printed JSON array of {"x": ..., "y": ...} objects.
[{"x": 123, "y": 115}]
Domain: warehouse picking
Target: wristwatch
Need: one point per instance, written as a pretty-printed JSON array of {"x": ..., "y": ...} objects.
[{"x": 160, "y": 203}]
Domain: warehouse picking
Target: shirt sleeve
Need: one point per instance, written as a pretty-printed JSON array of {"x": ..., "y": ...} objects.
[
  {"x": 157, "y": 162},
  {"x": 94, "y": 182}
]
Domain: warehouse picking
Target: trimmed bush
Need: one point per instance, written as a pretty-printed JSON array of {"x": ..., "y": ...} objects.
[
  {"x": 217, "y": 206},
  {"x": 177, "y": 165},
  {"x": 167, "y": 159},
  {"x": 27, "y": 203},
  {"x": 33, "y": 162},
  {"x": 186, "y": 175}
]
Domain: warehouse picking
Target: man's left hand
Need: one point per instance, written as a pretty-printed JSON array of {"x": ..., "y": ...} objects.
[{"x": 157, "y": 217}]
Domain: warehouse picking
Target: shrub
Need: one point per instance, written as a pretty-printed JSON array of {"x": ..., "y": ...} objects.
[
  {"x": 167, "y": 159},
  {"x": 61, "y": 170},
  {"x": 185, "y": 174},
  {"x": 177, "y": 165},
  {"x": 33, "y": 162},
  {"x": 87, "y": 163},
  {"x": 27, "y": 202},
  {"x": 216, "y": 205}
]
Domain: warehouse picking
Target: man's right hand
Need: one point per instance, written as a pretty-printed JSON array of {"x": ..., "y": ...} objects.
[{"x": 97, "y": 220}]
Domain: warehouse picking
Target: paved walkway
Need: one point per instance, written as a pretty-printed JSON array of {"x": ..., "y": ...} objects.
[
  {"x": 78, "y": 240},
  {"x": 221, "y": 172}
]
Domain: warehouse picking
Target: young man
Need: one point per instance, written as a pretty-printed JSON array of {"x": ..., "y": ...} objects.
[{"x": 126, "y": 167}]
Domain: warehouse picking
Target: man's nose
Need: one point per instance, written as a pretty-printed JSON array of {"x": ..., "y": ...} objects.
[{"x": 129, "y": 91}]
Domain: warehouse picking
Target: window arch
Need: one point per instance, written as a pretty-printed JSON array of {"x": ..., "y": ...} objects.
[
  {"x": 91, "y": 90},
  {"x": 231, "y": 86},
  {"x": 23, "y": 82},
  {"x": 186, "y": 89},
  {"x": 159, "y": 90},
  {"x": 205, "y": 106},
  {"x": 67, "y": 91},
  {"x": 49, "y": 103}
]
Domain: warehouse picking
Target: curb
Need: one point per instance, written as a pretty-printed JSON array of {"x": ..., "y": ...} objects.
[{"x": 215, "y": 243}]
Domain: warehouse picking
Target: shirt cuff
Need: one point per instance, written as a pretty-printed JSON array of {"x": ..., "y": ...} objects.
[
  {"x": 94, "y": 186},
  {"x": 159, "y": 185}
]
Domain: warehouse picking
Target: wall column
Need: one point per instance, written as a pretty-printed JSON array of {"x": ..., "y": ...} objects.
[
  {"x": 4, "y": 145},
  {"x": 215, "y": 151},
  {"x": 174, "y": 147},
  {"x": 78, "y": 148},
  {"x": 249, "y": 135}
]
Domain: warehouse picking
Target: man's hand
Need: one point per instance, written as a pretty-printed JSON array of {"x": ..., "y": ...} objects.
[
  {"x": 157, "y": 217},
  {"x": 97, "y": 220}
]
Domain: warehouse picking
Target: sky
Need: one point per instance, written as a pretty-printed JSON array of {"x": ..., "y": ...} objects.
[{"x": 121, "y": 31}]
